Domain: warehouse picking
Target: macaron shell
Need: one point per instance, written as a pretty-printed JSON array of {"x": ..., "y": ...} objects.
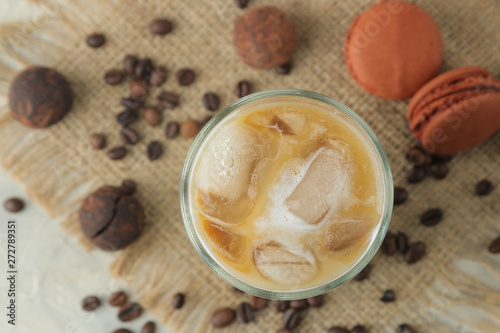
[{"x": 393, "y": 59}]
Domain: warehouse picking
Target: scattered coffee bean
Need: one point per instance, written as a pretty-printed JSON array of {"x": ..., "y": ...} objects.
[
  {"x": 359, "y": 329},
  {"x": 291, "y": 318},
  {"x": 185, "y": 76},
  {"x": 389, "y": 245},
  {"x": 167, "y": 100},
  {"x": 402, "y": 242},
  {"x": 211, "y": 101},
  {"x": 495, "y": 246},
  {"x": 242, "y": 3},
  {"x": 13, "y": 205},
  {"x": 172, "y": 129},
  {"x": 281, "y": 306},
  {"x": 129, "y": 186},
  {"x": 400, "y": 195},
  {"x": 188, "y": 129},
  {"x": 283, "y": 330},
  {"x": 416, "y": 174},
  {"x": 418, "y": 156},
  {"x": 316, "y": 301},
  {"x": 122, "y": 330},
  {"x": 126, "y": 117},
  {"x": 299, "y": 304},
  {"x": 113, "y": 77},
  {"x": 96, "y": 40},
  {"x": 143, "y": 69},
  {"x": 405, "y": 328},
  {"x": 284, "y": 69},
  {"x": 117, "y": 153},
  {"x": 149, "y": 327},
  {"x": 242, "y": 89},
  {"x": 431, "y": 217},
  {"x": 130, "y": 312},
  {"x": 152, "y": 116},
  {"x": 364, "y": 274},
  {"x": 416, "y": 251},
  {"x": 129, "y": 136},
  {"x": 222, "y": 317},
  {"x": 245, "y": 313},
  {"x": 178, "y": 300},
  {"x": 97, "y": 140},
  {"x": 484, "y": 187},
  {"x": 158, "y": 76},
  {"x": 258, "y": 303},
  {"x": 130, "y": 63},
  {"x": 204, "y": 121},
  {"x": 138, "y": 88},
  {"x": 90, "y": 303},
  {"x": 154, "y": 150},
  {"x": 441, "y": 158},
  {"x": 388, "y": 296},
  {"x": 131, "y": 103},
  {"x": 118, "y": 298},
  {"x": 439, "y": 170},
  {"x": 160, "y": 27},
  {"x": 338, "y": 329}
]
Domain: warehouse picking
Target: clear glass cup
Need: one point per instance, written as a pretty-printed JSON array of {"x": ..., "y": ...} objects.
[{"x": 262, "y": 97}]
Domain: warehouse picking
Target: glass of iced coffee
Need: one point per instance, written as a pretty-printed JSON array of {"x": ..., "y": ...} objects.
[{"x": 286, "y": 194}]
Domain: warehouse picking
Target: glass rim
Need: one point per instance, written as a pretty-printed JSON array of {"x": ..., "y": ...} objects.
[{"x": 368, "y": 254}]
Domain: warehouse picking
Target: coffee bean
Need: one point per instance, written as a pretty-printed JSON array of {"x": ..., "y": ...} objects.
[
  {"x": 172, "y": 129},
  {"x": 242, "y": 89},
  {"x": 160, "y": 27},
  {"x": 281, "y": 306},
  {"x": 284, "y": 69},
  {"x": 90, "y": 303},
  {"x": 441, "y": 158},
  {"x": 126, "y": 117},
  {"x": 245, "y": 313},
  {"x": 359, "y": 329},
  {"x": 299, "y": 304},
  {"x": 152, "y": 116},
  {"x": 97, "y": 140},
  {"x": 130, "y": 63},
  {"x": 96, "y": 40},
  {"x": 130, "y": 312},
  {"x": 242, "y": 3},
  {"x": 117, "y": 153},
  {"x": 405, "y": 328},
  {"x": 129, "y": 136},
  {"x": 118, "y": 298},
  {"x": 291, "y": 318},
  {"x": 211, "y": 101},
  {"x": 364, "y": 274},
  {"x": 158, "y": 76},
  {"x": 138, "y": 88},
  {"x": 204, "y": 121},
  {"x": 178, "y": 300},
  {"x": 188, "y": 129},
  {"x": 316, "y": 301},
  {"x": 167, "y": 100},
  {"x": 389, "y": 246},
  {"x": 222, "y": 317},
  {"x": 185, "y": 76},
  {"x": 154, "y": 150},
  {"x": 400, "y": 195},
  {"x": 131, "y": 103},
  {"x": 484, "y": 187},
  {"x": 402, "y": 242},
  {"x": 416, "y": 174},
  {"x": 388, "y": 296},
  {"x": 122, "y": 330},
  {"x": 431, "y": 217},
  {"x": 258, "y": 303},
  {"x": 143, "y": 69},
  {"x": 338, "y": 329},
  {"x": 495, "y": 246},
  {"x": 416, "y": 251},
  {"x": 283, "y": 330},
  {"x": 418, "y": 156},
  {"x": 439, "y": 170},
  {"x": 149, "y": 327},
  {"x": 13, "y": 205},
  {"x": 129, "y": 186},
  {"x": 113, "y": 77}
]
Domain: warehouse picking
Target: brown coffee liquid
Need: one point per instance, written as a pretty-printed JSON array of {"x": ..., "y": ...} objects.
[{"x": 287, "y": 195}]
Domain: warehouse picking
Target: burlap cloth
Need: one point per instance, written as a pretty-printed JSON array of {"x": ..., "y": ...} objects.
[{"x": 58, "y": 167}]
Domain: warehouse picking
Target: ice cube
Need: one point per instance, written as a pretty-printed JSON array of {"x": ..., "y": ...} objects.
[
  {"x": 289, "y": 123},
  {"x": 228, "y": 242},
  {"x": 325, "y": 185},
  {"x": 223, "y": 210},
  {"x": 274, "y": 261},
  {"x": 342, "y": 234}
]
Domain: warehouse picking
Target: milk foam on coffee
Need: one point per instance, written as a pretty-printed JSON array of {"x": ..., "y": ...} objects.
[{"x": 287, "y": 194}]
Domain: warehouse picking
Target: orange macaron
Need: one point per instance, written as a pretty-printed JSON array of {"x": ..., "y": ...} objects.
[{"x": 456, "y": 111}]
